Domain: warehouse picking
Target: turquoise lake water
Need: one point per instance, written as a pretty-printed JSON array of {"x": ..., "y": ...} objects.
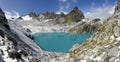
[{"x": 59, "y": 41}]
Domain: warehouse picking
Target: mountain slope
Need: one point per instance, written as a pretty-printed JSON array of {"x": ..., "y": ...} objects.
[
  {"x": 14, "y": 41},
  {"x": 85, "y": 27},
  {"x": 17, "y": 45},
  {"x": 103, "y": 46}
]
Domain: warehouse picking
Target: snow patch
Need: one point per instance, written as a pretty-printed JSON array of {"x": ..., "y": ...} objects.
[{"x": 27, "y": 17}]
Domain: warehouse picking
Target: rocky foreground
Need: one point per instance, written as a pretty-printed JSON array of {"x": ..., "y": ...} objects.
[{"x": 104, "y": 45}]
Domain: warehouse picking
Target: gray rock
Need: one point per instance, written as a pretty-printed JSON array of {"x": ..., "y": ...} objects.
[
  {"x": 113, "y": 51},
  {"x": 116, "y": 31}
]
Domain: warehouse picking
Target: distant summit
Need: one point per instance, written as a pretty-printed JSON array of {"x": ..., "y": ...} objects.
[
  {"x": 32, "y": 14},
  {"x": 75, "y": 15},
  {"x": 75, "y": 8}
]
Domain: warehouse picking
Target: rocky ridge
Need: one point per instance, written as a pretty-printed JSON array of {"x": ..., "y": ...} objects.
[
  {"x": 50, "y": 21},
  {"x": 86, "y": 26},
  {"x": 103, "y": 46},
  {"x": 117, "y": 8}
]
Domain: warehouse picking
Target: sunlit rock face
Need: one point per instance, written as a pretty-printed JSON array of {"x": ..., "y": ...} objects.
[{"x": 75, "y": 15}]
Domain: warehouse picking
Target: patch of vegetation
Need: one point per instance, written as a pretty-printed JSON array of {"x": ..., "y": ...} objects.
[
  {"x": 69, "y": 20},
  {"x": 113, "y": 25}
]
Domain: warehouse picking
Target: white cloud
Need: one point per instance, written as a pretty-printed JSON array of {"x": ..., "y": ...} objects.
[
  {"x": 100, "y": 12},
  {"x": 65, "y": 4},
  {"x": 12, "y": 14},
  {"x": 59, "y": 12}
]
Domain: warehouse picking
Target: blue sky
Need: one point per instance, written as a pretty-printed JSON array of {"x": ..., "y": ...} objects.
[{"x": 19, "y": 7}]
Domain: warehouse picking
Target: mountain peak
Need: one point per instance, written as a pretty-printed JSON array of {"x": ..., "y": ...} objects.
[
  {"x": 32, "y": 14},
  {"x": 75, "y": 8},
  {"x": 75, "y": 15}
]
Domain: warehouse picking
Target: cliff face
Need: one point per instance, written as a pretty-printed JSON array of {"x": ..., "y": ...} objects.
[
  {"x": 104, "y": 45},
  {"x": 3, "y": 19}
]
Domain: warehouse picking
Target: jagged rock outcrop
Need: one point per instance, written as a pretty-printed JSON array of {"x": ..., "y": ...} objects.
[
  {"x": 33, "y": 15},
  {"x": 103, "y": 46},
  {"x": 74, "y": 16},
  {"x": 56, "y": 18},
  {"x": 50, "y": 15},
  {"x": 117, "y": 8}
]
